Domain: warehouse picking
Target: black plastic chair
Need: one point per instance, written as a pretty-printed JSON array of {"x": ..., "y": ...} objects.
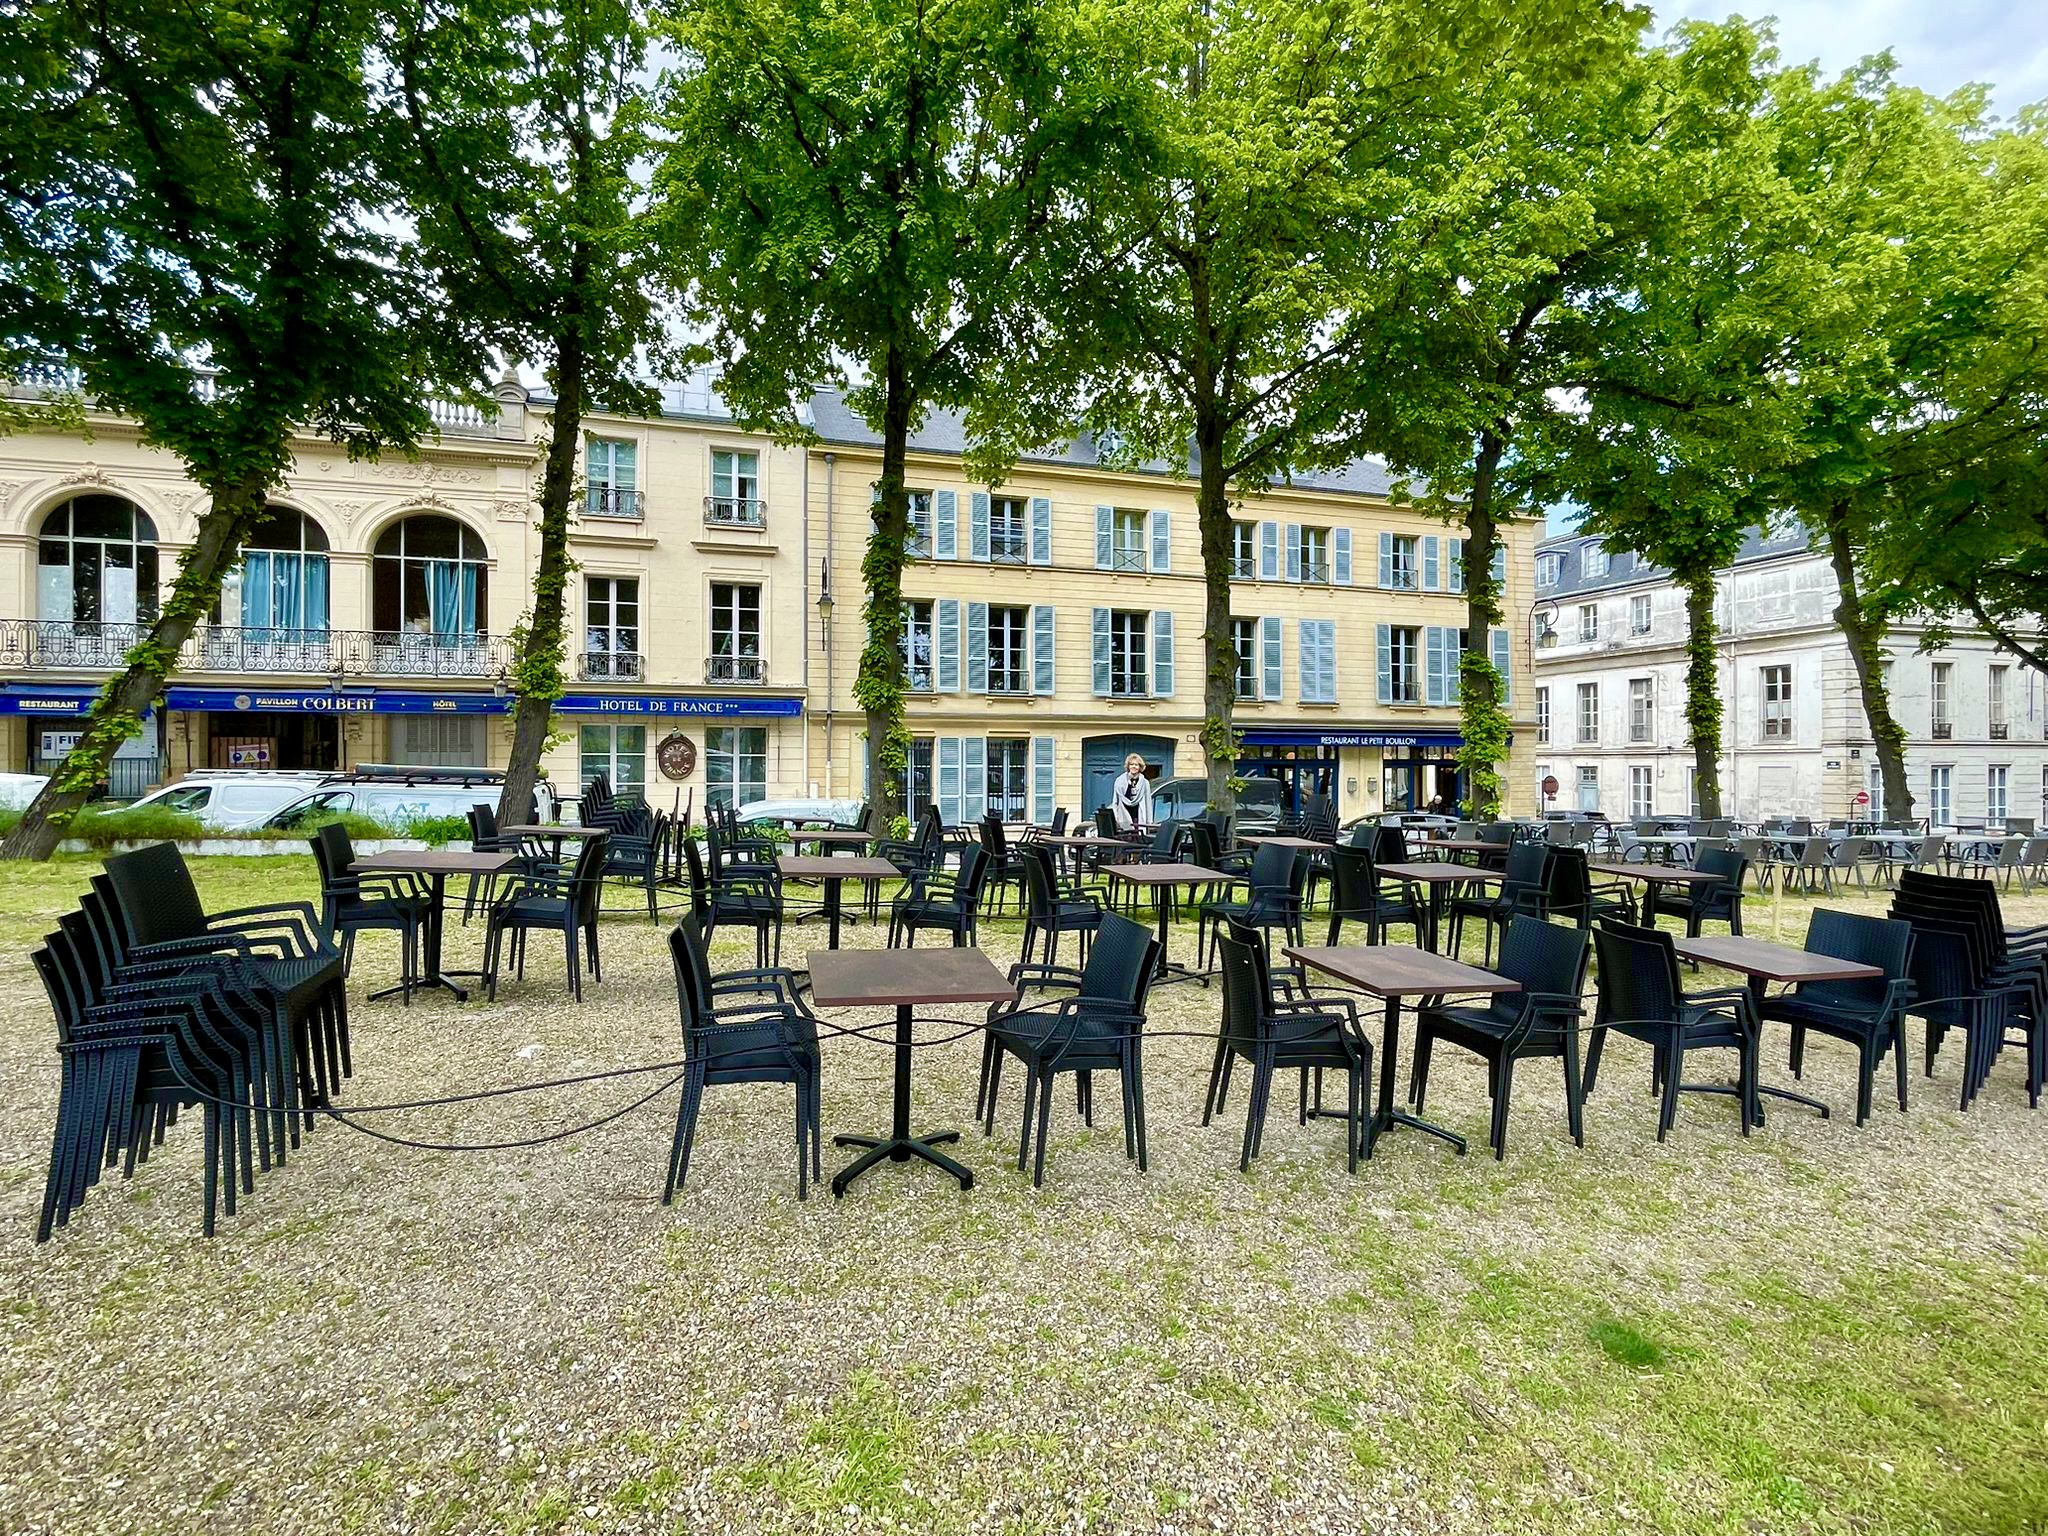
[
  {"x": 741, "y": 1027},
  {"x": 1640, "y": 997},
  {"x": 1360, "y": 895},
  {"x": 1005, "y": 869},
  {"x": 1569, "y": 890},
  {"x": 634, "y": 858},
  {"x": 1699, "y": 903},
  {"x": 1970, "y": 972},
  {"x": 1098, "y": 1028},
  {"x": 567, "y": 904},
  {"x": 1540, "y": 1020},
  {"x": 1272, "y": 898},
  {"x": 1868, "y": 1014},
  {"x": 1521, "y": 894},
  {"x": 934, "y": 899},
  {"x": 1052, "y": 908},
  {"x": 746, "y": 897},
  {"x": 350, "y": 903}
]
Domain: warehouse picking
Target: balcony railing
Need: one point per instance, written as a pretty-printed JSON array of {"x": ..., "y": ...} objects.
[
  {"x": 734, "y": 669},
  {"x": 1244, "y": 567},
  {"x": 1943, "y": 730},
  {"x": 1318, "y": 572},
  {"x": 2000, "y": 731},
  {"x": 55, "y": 646},
  {"x": 735, "y": 512},
  {"x": 613, "y": 666},
  {"x": 611, "y": 501}
]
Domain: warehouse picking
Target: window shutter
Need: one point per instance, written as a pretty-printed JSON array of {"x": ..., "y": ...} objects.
[
  {"x": 1329, "y": 672},
  {"x": 946, "y": 620},
  {"x": 1429, "y": 563},
  {"x": 949, "y": 780},
  {"x": 1041, "y": 530},
  {"x": 1386, "y": 560},
  {"x": 1162, "y": 653},
  {"x": 1454, "y": 663},
  {"x": 1294, "y": 551},
  {"x": 977, "y": 535},
  {"x": 1433, "y": 665},
  {"x": 860, "y": 752},
  {"x": 1456, "y": 581},
  {"x": 1162, "y": 539},
  {"x": 1500, "y": 563},
  {"x": 1105, "y": 538},
  {"x": 1318, "y": 663},
  {"x": 1503, "y": 665},
  {"x": 1340, "y": 556},
  {"x": 1042, "y": 675},
  {"x": 1099, "y": 640},
  {"x": 1384, "y": 655},
  {"x": 946, "y": 525},
  {"x": 1044, "y": 777},
  {"x": 1269, "y": 551},
  {"x": 1269, "y": 658},
  {"x": 973, "y": 778},
  {"x": 977, "y": 647}
]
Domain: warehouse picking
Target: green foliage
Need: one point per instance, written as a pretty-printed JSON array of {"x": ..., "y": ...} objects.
[{"x": 1485, "y": 726}]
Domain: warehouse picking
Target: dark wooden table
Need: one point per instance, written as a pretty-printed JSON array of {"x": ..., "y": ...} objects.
[
  {"x": 1654, "y": 875},
  {"x": 1439, "y": 877},
  {"x": 1392, "y": 972},
  {"x": 1763, "y": 962},
  {"x": 1161, "y": 879},
  {"x": 554, "y": 832},
  {"x": 1304, "y": 844},
  {"x": 833, "y": 837},
  {"x": 437, "y": 864},
  {"x": 903, "y": 979},
  {"x": 833, "y": 871}
]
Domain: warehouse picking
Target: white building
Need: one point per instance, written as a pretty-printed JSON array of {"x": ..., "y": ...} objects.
[{"x": 1609, "y": 635}]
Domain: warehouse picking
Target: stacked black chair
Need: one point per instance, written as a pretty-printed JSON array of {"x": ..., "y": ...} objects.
[
  {"x": 1005, "y": 869},
  {"x": 1570, "y": 891},
  {"x": 1521, "y": 893},
  {"x": 566, "y": 903},
  {"x": 1701, "y": 902},
  {"x": 1099, "y": 1027},
  {"x": 744, "y": 897},
  {"x": 1275, "y": 1026},
  {"x": 1540, "y": 1020},
  {"x": 1358, "y": 894},
  {"x": 635, "y": 859},
  {"x": 1640, "y": 997},
  {"x": 951, "y": 903},
  {"x": 1868, "y": 1014},
  {"x": 741, "y": 1027},
  {"x": 1389, "y": 845},
  {"x": 1272, "y": 898},
  {"x": 921, "y": 851},
  {"x": 350, "y": 903},
  {"x": 1971, "y": 972},
  {"x": 1053, "y": 907}
]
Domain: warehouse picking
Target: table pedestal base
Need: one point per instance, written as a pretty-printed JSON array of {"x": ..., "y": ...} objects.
[{"x": 898, "y": 1149}]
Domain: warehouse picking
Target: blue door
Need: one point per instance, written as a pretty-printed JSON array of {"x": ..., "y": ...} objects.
[{"x": 1102, "y": 759}]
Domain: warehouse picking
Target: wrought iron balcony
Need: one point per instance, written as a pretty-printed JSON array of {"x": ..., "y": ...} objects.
[
  {"x": 2000, "y": 731},
  {"x": 613, "y": 666},
  {"x": 610, "y": 501},
  {"x": 735, "y": 512},
  {"x": 57, "y": 646},
  {"x": 1244, "y": 567},
  {"x": 735, "y": 669},
  {"x": 1943, "y": 730}
]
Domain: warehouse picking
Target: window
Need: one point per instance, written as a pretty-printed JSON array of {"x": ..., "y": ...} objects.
[
  {"x": 735, "y": 499},
  {"x": 611, "y": 627},
  {"x": 1315, "y": 554},
  {"x": 1589, "y": 787},
  {"x": 1589, "y": 712},
  {"x": 1642, "y": 708},
  {"x": 735, "y": 764},
  {"x": 1549, "y": 569},
  {"x": 1589, "y": 621},
  {"x": 1938, "y": 695},
  {"x": 1127, "y": 540},
  {"x": 917, "y": 540},
  {"x": 439, "y": 741},
  {"x": 619, "y": 752},
  {"x": 1938, "y": 803},
  {"x": 611, "y": 477},
  {"x": 1009, "y": 530},
  {"x": 1641, "y": 797},
  {"x": 1244, "y": 551},
  {"x": 735, "y": 634},
  {"x": 1244, "y": 639},
  {"x": 427, "y": 580},
  {"x": 1543, "y": 714},
  {"x": 917, "y": 647},
  {"x": 281, "y": 588},
  {"x": 1008, "y": 777},
  {"x": 1128, "y": 676},
  {"x": 1996, "y": 778},
  {"x": 1777, "y": 683},
  {"x": 1639, "y": 614},
  {"x": 1995, "y": 697},
  {"x": 1009, "y": 651},
  {"x": 1404, "y": 666},
  {"x": 917, "y": 778},
  {"x": 96, "y": 563},
  {"x": 1592, "y": 562}
]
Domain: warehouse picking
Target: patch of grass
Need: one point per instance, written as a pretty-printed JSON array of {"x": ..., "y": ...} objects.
[{"x": 1625, "y": 1344}]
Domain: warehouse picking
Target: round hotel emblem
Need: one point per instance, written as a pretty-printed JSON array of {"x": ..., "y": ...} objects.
[
  {"x": 243, "y": 701},
  {"x": 677, "y": 756}
]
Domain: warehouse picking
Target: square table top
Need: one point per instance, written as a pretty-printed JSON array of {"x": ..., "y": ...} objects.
[
  {"x": 1771, "y": 962},
  {"x": 1669, "y": 874},
  {"x": 832, "y": 835},
  {"x": 536, "y": 829},
  {"x": 1439, "y": 873},
  {"x": 874, "y": 978},
  {"x": 833, "y": 866},
  {"x": 1396, "y": 970},
  {"x": 1314, "y": 845},
  {"x": 434, "y": 861},
  {"x": 1169, "y": 874}
]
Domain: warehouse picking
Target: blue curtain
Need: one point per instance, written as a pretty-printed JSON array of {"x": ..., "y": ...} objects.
[
  {"x": 468, "y": 601},
  {"x": 314, "y": 616},
  {"x": 451, "y": 594},
  {"x": 289, "y": 590},
  {"x": 256, "y": 579}
]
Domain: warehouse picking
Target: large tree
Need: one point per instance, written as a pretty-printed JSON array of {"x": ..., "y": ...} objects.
[
  {"x": 185, "y": 220},
  {"x": 860, "y": 189},
  {"x": 517, "y": 134}
]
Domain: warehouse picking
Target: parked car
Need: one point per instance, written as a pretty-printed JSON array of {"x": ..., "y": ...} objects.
[
  {"x": 1259, "y": 803},
  {"x": 841, "y": 813},
  {"x": 394, "y": 805},
  {"x": 229, "y": 799},
  {"x": 18, "y": 790}
]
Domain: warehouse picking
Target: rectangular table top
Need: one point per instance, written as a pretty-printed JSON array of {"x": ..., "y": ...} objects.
[
  {"x": 1660, "y": 874},
  {"x": 1396, "y": 970},
  {"x": 1082, "y": 840},
  {"x": 1168, "y": 874},
  {"x": 1315, "y": 845},
  {"x": 847, "y": 835},
  {"x": 1439, "y": 873},
  {"x": 1463, "y": 844},
  {"x": 876, "y": 978},
  {"x": 434, "y": 861},
  {"x": 535, "y": 829},
  {"x": 1772, "y": 962},
  {"x": 835, "y": 867}
]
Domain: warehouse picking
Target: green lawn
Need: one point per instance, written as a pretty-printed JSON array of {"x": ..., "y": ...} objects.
[{"x": 1815, "y": 1329}]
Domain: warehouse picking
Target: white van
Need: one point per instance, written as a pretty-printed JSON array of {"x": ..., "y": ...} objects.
[
  {"x": 228, "y": 800},
  {"x": 392, "y": 804},
  {"x": 19, "y": 790}
]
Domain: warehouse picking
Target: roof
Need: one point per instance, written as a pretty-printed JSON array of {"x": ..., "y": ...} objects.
[{"x": 1627, "y": 569}]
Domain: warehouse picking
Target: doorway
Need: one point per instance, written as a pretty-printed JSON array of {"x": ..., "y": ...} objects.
[
  {"x": 1410, "y": 782},
  {"x": 1102, "y": 759}
]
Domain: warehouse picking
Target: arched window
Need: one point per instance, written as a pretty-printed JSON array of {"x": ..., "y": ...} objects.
[
  {"x": 428, "y": 579},
  {"x": 96, "y": 563},
  {"x": 283, "y": 581}
]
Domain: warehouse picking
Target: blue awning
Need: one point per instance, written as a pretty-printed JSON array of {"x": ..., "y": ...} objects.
[
  {"x": 327, "y": 701},
  {"x": 68, "y": 701},
  {"x": 677, "y": 706},
  {"x": 1364, "y": 736}
]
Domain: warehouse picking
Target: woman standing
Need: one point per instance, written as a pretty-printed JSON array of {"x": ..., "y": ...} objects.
[{"x": 1130, "y": 797}]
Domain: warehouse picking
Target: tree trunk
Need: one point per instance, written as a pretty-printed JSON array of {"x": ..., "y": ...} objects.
[
  {"x": 1219, "y": 650},
  {"x": 537, "y": 670},
  {"x": 1481, "y": 720},
  {"x": 116, "y": 715},
  {"x": 878, "y": 687},
  {"x": 1703, "y": 689},
  {"x": 1865, "y": 636}
]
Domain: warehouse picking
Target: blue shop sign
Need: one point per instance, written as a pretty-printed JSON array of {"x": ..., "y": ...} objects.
[
  {"x": 327, "y": 701},
  {"x": 1308, "y": 738},
  {"x": 65, "y": 703},
  {"x": 676, "y": 707}
]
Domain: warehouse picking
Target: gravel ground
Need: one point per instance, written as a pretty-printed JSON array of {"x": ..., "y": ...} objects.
[{"x": 1817, "y": 1328}]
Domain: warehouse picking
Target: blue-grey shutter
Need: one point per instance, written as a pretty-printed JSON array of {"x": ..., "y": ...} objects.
[
  {"x": 977, "y": 647},
  {"x": 946, "y": 525},
  {"x": 973, "y": 778},
  {"x": 949, "y": 780},
  {"x": 1455, "y": 577},
  {"x": 1162, "y": 653},
  {"x": 1294, "y": 551},
  {"x": 1384, "y": 655},
  {"x": 1318, "y": 661},
  {"x": 1269, "y": 551},
  {"x": 1340, "y": 556},
  {"x": 946, "y": 620},
  {"x": 1386, "y": 560},
  {"x": 1162, "y": 539},
  {"x": 1500, "y": 563},
  {"x": 1305, "y": 658},
  {"x": 1041, "y": 530},
  {"x": 1098, "y": 635},
  {"x": 1329, "y": 668},
  {"x": 860, "y": 752},
  {"x": 1503, "y": 665},
  {"x": 1429, "y": 562},
  {"x": 977, "y": 528},
  {"x": 1269, "y": 658},
  {"x": 1432, "y": 665},
  {"x": 1044, "y": 780},
  {"x": 1454, "y": 664},
  {"x": 1042, "y": 675},
  {"x": 1105, "y": 538}
]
